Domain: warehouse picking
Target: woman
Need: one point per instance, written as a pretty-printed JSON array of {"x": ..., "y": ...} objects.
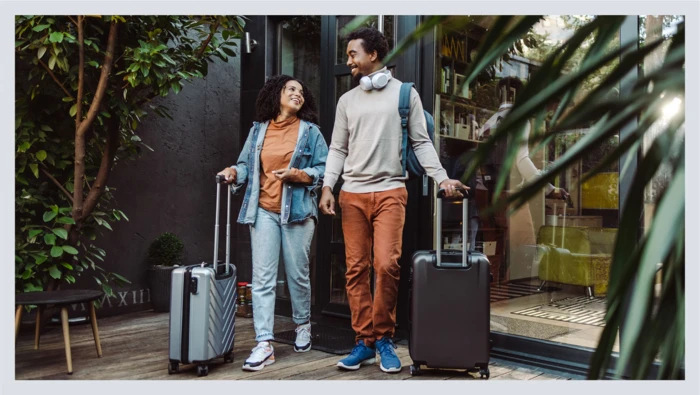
[
  {"x": 520, "y": 224},
  {"x": 282, "y": 161},
  {"x": 522, "y": 230}
]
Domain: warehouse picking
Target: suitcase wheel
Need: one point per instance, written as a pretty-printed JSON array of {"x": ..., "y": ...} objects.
[
  {"x": 414, "y": 370},
  {"x": 484, "y": 373},
  {"x": 228, "y": 357},
  {"x": 173, "y": 367},
  {"x": 202, "y": 370}
]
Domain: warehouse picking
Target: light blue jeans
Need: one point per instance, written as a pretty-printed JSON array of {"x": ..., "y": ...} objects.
[{"x": 269, "y": 237}]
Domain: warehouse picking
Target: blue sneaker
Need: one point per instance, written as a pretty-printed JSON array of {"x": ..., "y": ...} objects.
[
  {"x": 389, "y": 362},
  {"x": 360, "y": 355}
]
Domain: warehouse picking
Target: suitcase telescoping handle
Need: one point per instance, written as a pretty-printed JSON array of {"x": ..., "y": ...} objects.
[
  {"x": 219, "y": 181},
  {"x": 465, "y": 221}
]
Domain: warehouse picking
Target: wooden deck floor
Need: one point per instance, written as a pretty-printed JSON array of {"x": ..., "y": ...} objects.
[{"x": 135, "y": 346}]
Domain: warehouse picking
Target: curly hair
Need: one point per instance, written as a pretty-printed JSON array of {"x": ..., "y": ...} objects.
[
  {"x": 267, "y": 105},
  {"x": 372, "y": 40}
]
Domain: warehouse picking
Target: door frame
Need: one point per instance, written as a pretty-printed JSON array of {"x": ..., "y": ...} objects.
[{"x": 406, "y": 69}]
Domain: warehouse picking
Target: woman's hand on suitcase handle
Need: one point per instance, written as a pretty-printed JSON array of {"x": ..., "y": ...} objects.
[
  {"x": 228, "y": 174},
  {"x": 453, "y": 188},
  {"x": 559, "y": 193}
]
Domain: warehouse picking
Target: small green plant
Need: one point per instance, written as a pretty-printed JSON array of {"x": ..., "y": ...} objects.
[{"x": 165, "y": 250}]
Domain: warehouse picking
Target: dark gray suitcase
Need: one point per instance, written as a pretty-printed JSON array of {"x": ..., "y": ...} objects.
[
  {"x": 449, "y": 307},
  {"x": 203, "y": 306}
]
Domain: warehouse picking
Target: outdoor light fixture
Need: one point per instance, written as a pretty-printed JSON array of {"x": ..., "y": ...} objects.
[{"x": 250, "y": 43}]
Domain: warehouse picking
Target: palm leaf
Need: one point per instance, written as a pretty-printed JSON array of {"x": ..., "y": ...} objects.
[
  {"x": 540, "y": 93},
  {"x": 354, "y": 24},
  {"x": 627, "y": 109},
  {"x": 660, "y": 243},
  {"x": 650, "y": 330},
  {"x": 498, "y": 43}
]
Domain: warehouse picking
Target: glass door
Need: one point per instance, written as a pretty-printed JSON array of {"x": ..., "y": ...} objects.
[{"x": 298, "y": 54}]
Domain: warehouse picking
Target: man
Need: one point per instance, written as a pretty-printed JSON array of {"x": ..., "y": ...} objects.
[{"x": 366, "y": 149}]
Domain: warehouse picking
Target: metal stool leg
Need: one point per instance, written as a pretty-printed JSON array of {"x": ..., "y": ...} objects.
[{"x": 541, "y": 285}]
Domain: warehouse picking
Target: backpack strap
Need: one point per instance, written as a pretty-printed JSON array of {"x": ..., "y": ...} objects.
[{"x": 404, "y": 109}]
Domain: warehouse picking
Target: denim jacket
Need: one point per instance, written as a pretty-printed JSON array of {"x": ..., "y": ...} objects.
[{"x": 299, "y": 201}]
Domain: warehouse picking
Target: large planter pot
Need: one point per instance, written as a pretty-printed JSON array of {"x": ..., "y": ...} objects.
[{"x": 159, "y": 281}]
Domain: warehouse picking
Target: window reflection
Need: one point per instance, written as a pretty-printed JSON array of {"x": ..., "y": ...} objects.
[{"x": 550, "y": 259}]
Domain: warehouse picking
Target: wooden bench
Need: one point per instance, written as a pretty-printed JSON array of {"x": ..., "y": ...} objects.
[{"x": 61, "y": 299}]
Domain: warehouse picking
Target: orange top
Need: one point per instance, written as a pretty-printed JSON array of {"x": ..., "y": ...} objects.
[{"x": 278, "y": 147}]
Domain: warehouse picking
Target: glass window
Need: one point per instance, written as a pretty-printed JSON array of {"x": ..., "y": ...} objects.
[
  {"x": 550, "y": 259},
  {"x": 343, "y": 83},
  {"x": 300, "y": 51},
  {"x": 388, "y": 27}
]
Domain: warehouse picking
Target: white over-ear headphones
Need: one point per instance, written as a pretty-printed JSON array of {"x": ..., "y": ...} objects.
[{"x": 378, "y": 81}]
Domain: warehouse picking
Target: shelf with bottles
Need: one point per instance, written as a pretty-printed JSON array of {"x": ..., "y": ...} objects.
[
  {"x": 462, "y": 139},
  {"x": 457, "y": 101},
  {"x": 459, "y": 121},
  {"x": 452, "y": 77}
]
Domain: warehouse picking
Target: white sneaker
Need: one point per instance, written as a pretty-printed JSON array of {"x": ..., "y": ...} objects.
[
  {"x": 263, "y": 354},
  {"x": 303, "y": 340}
]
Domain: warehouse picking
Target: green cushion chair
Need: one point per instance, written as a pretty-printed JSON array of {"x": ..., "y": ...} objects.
[{"x": 576, "y": 256}]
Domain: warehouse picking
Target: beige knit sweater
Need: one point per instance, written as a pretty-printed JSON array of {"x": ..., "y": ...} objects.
[{"x": 366, "y": 143}]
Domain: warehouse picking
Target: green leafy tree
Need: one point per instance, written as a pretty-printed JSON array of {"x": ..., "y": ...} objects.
[{"x": 83, "y": 85}]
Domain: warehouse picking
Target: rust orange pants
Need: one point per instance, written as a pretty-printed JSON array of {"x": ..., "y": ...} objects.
[{"x": 373, "y": 231}]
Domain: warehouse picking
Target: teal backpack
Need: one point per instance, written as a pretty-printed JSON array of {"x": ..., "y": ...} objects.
[{"x": 408, "y": 157}]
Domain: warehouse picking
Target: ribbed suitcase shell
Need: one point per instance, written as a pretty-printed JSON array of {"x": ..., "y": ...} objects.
[
  {"x": 203, "y": 305},
  {"x": 205, "y": 320}
]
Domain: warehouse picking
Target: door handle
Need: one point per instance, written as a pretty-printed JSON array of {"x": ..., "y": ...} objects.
[{"x": 250, "y": 43}]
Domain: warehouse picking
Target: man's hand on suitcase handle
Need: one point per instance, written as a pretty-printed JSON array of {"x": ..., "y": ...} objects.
[
  {"x": 228, "y": 175},
  {"x": 453, "y": 188}
]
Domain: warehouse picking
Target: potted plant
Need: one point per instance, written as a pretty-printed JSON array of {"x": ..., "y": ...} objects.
[{"x": 164, "y": 254}]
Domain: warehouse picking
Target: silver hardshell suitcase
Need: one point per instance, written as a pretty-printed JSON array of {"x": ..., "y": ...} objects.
[
  {"x": 203, "y": 306},
  {"x": 449, "y": 306}
]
